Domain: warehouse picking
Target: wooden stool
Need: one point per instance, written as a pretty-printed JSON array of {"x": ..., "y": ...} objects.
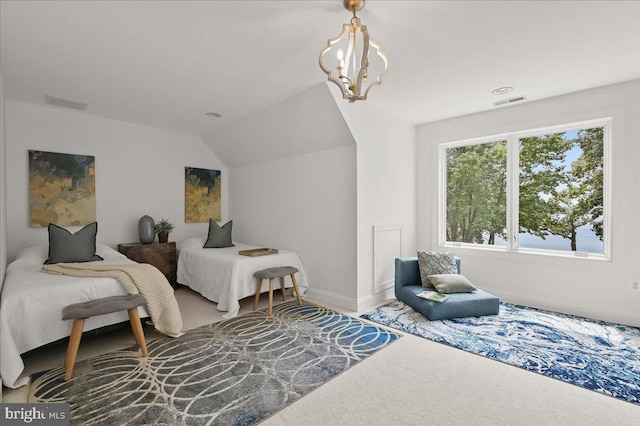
[
  {"x": 271, "y": 274},
  {"x": 78, "y": 312}
]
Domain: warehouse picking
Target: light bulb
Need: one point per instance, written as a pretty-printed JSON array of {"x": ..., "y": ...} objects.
[{"x": 340, "y": 60}]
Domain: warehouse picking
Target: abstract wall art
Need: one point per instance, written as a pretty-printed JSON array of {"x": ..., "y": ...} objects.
[
  {"x": 62, "y": 189},
  {"x": 202, "y": 195}
]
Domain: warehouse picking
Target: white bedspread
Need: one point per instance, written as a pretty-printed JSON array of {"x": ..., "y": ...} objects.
[
  {"x": 31, "y": 305},
  {"x": 224, "y": 276}
]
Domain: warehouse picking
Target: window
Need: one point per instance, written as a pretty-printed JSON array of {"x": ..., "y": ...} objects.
[
  {"x": 539, "y": 191},
  {"x": 477, "y": 193}
]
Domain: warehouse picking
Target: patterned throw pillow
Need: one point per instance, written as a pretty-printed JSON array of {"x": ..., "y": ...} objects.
[{"x": 435, "y": 263}]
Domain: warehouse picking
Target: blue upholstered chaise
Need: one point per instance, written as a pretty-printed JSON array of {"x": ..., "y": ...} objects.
[{"x": 458, "y": 305}]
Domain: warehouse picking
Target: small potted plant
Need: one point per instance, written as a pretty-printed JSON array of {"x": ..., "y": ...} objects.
[{"x": 163, "y": 228}]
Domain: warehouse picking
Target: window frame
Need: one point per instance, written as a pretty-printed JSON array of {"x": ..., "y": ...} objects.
[{"x": 513, "y": 189}]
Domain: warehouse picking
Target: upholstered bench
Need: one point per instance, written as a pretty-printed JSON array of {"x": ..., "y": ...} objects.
[
  {"x": 458, "y": 305},
  {"x": 78, "y": 312},
  {"x": 271, "y": 274}
]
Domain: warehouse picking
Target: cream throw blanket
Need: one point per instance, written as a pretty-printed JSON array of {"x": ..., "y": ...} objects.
[{"x": 136, "y": 278}]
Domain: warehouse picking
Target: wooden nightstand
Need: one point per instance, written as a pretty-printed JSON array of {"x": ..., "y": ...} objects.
[{"x": 160, "y": 255}]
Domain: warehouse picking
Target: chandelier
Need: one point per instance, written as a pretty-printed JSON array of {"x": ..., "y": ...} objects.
[{"x": 352, "y": 72}]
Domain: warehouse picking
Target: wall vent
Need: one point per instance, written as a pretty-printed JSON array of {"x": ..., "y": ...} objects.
[
  {"x": 65, "y": 103},
  {"x": 509, "y": 101}
]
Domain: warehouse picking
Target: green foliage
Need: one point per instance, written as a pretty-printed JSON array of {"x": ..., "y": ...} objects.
[
  {"x": 164, "y": 226},
  {"x": 556, "y": 197},
  {"x": 589, "y": 170},
  {"x": 476, "y": 192},
  {"x": 541, "y": 173}
]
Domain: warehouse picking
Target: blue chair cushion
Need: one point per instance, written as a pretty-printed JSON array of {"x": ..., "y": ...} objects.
[{"x": 474, "y": 304}]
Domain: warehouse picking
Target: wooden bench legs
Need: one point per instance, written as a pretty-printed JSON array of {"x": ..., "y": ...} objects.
[
  {"x": 136, "y": 327},
  {"x": 284, "y": 297},
  {"x": 72, "y": 349},
  {"x": 76, "y": 335},
  {"x": 297, "y": 290}
]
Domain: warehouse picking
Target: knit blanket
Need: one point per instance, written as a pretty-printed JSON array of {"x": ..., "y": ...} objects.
[{"x": 136, "y": 278}]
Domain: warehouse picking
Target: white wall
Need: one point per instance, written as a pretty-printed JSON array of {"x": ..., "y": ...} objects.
[
  {"x": 305, "y": 200},
  {"x": 597, "y": 289},
  {"x": 3, "y": 185},
  {"x": 3, "y": 195},
  {"x": 324, "y": 204},
  {"x": 139, "y": 170},
  {"x": 386, "y": 186},
  {"x": 301, "y": 124},
  {"x": 307, "y": 204}
]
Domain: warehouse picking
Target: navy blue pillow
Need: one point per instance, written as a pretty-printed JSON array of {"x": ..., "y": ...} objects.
[{"x": 67, "y": 247}]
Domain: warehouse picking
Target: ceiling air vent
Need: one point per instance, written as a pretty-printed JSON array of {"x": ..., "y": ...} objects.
[
  {"x": 509, "y": 101},
  {"x": 65, "y": 103}
]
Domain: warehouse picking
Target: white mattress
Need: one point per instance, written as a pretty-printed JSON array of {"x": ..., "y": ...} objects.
[
  {"x": 31, "y": 304},
  {"x": 223, "y": 276}
]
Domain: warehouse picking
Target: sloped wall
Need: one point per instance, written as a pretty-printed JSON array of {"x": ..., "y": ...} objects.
[{"x": 301, "y": 124}]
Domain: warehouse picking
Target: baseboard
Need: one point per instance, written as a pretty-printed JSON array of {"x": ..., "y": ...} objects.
[
  {"x": 332, "y": 299},
  {"x": 598, "y": 314},
  {"x": 368, "y": 302},
  {"x": 355, "y": 305}
]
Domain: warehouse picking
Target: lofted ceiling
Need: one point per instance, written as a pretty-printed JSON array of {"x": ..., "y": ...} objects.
[{"x": 167, "y": 63}]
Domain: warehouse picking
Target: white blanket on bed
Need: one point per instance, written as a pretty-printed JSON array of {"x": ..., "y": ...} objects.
[
  {"x": 136, "y": 278},
  {"x": 224, "y": 276},
  {"x": 32, "y": 301}
]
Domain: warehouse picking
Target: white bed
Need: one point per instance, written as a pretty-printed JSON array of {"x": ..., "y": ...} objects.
[
  {"x": 31, "y": 304},
  {"x": 223, "y": 276}
]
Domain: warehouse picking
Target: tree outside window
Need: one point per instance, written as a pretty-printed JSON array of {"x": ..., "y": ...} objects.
[
  {"x": 477, "y": 193},
  {"x": 560, "y": 191}
]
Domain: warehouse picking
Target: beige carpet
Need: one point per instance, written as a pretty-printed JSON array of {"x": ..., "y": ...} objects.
[{"x": 412, "y": 382}]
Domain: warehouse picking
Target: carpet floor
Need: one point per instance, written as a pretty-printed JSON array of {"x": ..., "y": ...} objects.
[
  {"x": 600, "y": 356},
  {"x": 239, "y": 371}
]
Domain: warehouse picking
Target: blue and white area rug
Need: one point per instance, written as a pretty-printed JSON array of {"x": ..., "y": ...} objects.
[
  {"x": 597, "y": 355},
  {"x": 235, "y": 372}
]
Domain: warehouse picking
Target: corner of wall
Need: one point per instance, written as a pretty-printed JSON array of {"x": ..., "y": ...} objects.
[{"x": 386, "y": 192}]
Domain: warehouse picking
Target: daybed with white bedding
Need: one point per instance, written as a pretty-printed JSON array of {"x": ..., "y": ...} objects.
[
  {"x": 32, "y": 302},
  {"x": 224, "y": 276}
]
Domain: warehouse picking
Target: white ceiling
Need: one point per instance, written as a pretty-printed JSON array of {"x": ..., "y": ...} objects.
[{"x": 166, "y": 64}]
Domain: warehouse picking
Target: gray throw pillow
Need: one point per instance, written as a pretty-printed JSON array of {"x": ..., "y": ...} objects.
[
  {"x": 451, "y": 283},
  {"x": 219, "y": 237},
  {"x": 433, "y": 263},
  {"x": 67, "y": 247}
]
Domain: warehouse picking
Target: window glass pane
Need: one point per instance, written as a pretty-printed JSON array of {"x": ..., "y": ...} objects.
[
  {"x": 477, "y": 193},
  {"x": 561, "y": 191}
]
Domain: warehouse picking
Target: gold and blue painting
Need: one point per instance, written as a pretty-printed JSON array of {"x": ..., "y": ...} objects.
[
  {"x": 202, "y": 195},
  {"x": 62, "y": 189}
]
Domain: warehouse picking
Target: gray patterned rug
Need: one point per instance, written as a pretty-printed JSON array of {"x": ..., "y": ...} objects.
[{"x": 235, "y": 372}]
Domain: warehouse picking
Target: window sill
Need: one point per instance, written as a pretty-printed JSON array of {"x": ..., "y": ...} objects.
[{"x": 525, "y": 251}]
